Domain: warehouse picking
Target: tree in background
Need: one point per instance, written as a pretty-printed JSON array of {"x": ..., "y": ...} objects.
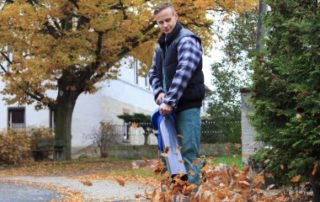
[
  {"x": 139, "y": 120},
  {"x": 105, "y": 137},
  {"x": 67, "y": 46},
  {"x": 286, "y": 93},
  {"x": 232, "y": 73}
]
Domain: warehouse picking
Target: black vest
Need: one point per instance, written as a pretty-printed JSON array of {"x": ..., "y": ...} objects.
[{"x": 167, "y": 58}]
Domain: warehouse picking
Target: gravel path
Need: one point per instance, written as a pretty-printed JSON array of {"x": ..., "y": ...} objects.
[{"x": 101, "y": 190}]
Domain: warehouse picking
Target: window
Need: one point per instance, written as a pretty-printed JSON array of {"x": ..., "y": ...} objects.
[{"x": 16, "y": 117}]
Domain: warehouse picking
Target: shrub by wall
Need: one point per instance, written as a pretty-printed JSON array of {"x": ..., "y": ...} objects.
[{"x": 14, "y": 146}]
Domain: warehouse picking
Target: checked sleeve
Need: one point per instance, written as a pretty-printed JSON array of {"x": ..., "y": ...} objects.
[
  {"x": 189, "y": 56},
  {"x": 154, "y": 78}
]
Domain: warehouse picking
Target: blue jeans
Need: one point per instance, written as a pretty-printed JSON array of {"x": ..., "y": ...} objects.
[{"x": 188, "y": 125}]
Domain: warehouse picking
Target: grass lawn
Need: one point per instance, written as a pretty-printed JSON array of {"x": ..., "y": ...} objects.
[{"x": 229, "y": 160}]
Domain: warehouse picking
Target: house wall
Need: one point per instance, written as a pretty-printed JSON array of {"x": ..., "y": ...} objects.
[
  {"x": 115, "y": 97},
  {"x": 33, "y": 118}
]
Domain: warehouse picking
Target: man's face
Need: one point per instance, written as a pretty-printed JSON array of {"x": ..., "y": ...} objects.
[{"x": 166, "y": 20}]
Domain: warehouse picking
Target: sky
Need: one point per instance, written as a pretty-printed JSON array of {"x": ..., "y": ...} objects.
[{"x": 216, "y": 53}]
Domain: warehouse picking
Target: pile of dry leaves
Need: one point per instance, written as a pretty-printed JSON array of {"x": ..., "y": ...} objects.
[{"x": 224, "y": 184}]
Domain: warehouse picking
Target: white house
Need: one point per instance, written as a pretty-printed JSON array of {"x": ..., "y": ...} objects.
[{"x": 130, "y": 93}]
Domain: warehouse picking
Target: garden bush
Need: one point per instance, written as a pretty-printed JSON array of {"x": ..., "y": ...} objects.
[
  {"x": 14, "y": 146},
  {"x": 42, "y": 141},
  {"x": 286, "y": 93}
]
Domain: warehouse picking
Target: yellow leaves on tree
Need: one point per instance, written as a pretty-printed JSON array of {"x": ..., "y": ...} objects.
[
  {"x": 51, "y": 37},
  {"x": 68, "y": 46}
]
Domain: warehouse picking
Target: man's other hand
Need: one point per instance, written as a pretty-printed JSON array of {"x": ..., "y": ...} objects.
[
  {"x": 165, "y": 109},
  {"x": 159, "y": 98}
]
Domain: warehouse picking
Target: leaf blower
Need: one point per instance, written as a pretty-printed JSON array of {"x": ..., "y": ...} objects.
[{"x": 168, "y": 143}]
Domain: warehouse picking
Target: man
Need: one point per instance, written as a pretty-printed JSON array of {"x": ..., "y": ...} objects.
[{"x": 178, "y": 83}]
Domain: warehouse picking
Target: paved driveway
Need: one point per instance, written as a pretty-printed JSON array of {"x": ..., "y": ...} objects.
[
  {"x": 21, "y": 193},
  {"x": 100, "y": 190}
]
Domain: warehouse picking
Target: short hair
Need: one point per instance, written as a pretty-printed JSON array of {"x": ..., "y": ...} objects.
[{"x": 161, "y": 6}]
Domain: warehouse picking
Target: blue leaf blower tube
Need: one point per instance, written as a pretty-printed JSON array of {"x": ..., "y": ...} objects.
[{"x": 168, "y": 143}]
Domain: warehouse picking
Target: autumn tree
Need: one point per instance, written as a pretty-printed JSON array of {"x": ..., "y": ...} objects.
[
  {"x": 67, "y": 46},
  {"x": 286, "y": 93}
]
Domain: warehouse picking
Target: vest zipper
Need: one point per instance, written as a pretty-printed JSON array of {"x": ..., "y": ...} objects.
[{"x": 163, "y": 70}]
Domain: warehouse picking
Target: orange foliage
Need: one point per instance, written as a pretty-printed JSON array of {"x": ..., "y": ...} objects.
[
  {"x": 223, "y": 183},
  {"x": 14, "y": 147},
  {"x": 82, "y": 41}
]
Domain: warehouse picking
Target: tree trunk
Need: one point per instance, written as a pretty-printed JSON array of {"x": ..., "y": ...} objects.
[
  {"x": 260, "y": 28},
  {"x": 146, "y": 139},
  {"x": 63, "y": 111},
  {"x": 146, "y": 135},
  {"x": 316, "y": 190}
]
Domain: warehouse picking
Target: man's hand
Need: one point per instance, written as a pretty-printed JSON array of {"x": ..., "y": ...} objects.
[
  {"x": 159, "y": 98},
  {"x": 165, "y": 109}
]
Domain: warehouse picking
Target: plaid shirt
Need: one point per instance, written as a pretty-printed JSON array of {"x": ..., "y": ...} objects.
[{"x": 189, "y": 56}]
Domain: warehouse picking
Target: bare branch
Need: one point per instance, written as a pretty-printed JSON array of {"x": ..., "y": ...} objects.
[
  {"x": 125, "y": 16},
  {"x": 4, "y": 69},
  {"x": 6, "y": 57}
]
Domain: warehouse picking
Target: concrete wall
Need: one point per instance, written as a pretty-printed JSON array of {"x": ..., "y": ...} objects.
[
  {"x": 151, "y": 151},
  {"x": 248, "y": 133}
]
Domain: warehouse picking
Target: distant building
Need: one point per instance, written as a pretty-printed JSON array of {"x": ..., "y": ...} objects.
[{"x": 130, "y": 93}]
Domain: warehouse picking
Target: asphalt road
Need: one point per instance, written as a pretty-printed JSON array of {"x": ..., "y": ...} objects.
[{"x": 21, "y": 193}]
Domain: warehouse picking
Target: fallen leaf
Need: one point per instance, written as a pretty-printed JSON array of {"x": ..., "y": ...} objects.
[
  {"x": 164, "y": 155},
  {"x": 158, "y": 167},
  {"x": 196, "y": 161},
  {"x": 137, "y": 195},
  {"x": 266, "y": 161},
  {"x": 269, "y": 175},
  {"x": 244, "y": 184},
  {"x": 165, "y": 176},
  {"x": 145, "y": 159},
  {"x": 295, "y": 179},
  {"x": 86, "y": 182},
  {"x": 270, "y": 186},
  {"x": 134, "y": 125},
  {"x": 135, "y": 165},
  {"x": 191, "y": 173},
  {"x": 121, "y": 182},
  {"x": 180, "y": 136},
  {"x": 190, "y": 188},
  {"x": 315, "y": 169},
  {"x": 179, "y": 147},
  {"x": 227, "y": 150}
]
